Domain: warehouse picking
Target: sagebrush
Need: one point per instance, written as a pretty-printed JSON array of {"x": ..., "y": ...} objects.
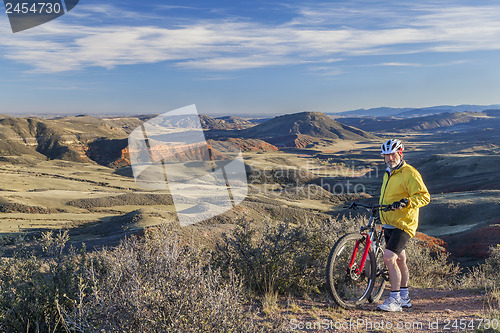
[
  {"x": 35, "y": 280},
  {"x": 285, "y": 257},
  {"x": 153, "y": 284}
]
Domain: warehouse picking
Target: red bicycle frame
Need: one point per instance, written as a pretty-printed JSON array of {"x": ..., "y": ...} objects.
[{"x": 365, "y": 254}]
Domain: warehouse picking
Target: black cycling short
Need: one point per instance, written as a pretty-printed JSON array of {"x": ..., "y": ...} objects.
[{"x": 395, "y": 240}]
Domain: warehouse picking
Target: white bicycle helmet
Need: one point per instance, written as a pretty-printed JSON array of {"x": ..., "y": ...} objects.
[{"x": 392, "y": 146}]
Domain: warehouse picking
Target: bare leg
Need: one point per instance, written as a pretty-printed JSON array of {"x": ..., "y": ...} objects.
[
  {"x": 391, "y": 261},
  {"x": 403, "y": 268}
]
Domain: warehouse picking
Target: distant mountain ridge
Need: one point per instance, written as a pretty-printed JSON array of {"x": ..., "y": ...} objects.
[
  {"x": 104, "y": 141},
  {"x": 297, "y": 130},
  {"x": 436, "y": 121},
  {"x": 313, "y": 124},
  {"x": 478, "y": 126},
  {"x": 413, "y": 112},
  {"x": 303, "y": 129}
]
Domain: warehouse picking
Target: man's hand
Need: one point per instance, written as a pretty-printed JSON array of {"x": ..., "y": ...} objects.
[{"x": 398, "y": 205}]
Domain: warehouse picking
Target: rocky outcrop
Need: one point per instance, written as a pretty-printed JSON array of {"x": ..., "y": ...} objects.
[
  {"x": 475, "y": 243},
  {"x": 109, "y": 152},
  {"x": 434, "y": 243},
  {"x": 251, "y": 144},
  {"x": 116, "y": 154},
  {"x": 224, "y": 123}
]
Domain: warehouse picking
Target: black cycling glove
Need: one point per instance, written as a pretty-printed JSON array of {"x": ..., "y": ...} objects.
[{"x": 400, "y": 204}]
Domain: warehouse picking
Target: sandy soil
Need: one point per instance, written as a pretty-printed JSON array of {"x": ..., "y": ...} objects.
[{"x": 432, "y": 311}]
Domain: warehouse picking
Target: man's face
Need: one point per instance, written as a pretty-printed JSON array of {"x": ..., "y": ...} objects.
[{"x": 392, "y": 160}]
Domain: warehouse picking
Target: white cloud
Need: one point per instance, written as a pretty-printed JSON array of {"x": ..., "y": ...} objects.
[
  {"x": 406, "y": 64},
  {"x": 326, "y": 71},
  {"x": 401, "y": 64},
  {"x": 315, "y": 35}
]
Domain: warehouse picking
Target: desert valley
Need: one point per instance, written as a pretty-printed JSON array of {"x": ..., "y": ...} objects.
[
  {"x": 74, "y": 173},
  {"x": 84, "y": 247}
]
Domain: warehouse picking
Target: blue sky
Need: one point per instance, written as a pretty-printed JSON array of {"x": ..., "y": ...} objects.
[{"x": 252, "y": 57}]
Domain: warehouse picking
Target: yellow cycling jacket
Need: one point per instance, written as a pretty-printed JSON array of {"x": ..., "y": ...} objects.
[{"x": 404, "y": 183}]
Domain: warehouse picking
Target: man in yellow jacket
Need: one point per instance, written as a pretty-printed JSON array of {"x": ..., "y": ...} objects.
[{"x": 403, "y": 189}]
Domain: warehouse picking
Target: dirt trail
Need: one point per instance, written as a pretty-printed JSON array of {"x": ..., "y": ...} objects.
[{"x": 433, "y": 311}]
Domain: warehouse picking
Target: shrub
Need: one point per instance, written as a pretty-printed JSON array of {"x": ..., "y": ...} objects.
[
  {"x": 430, "y": 269},
  {"x": 283, "y": 256},
  {"x": 153, "y": 284},
  {"x": 32, "y": 285},
  {"x": 491, "y": 269},
  {"x": 492, "y": 264},
  {"x": 158, "y": 284},
  {"x": 485, "y": 276}
]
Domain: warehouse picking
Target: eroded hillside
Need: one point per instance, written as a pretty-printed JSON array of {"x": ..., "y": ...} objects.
[{"x": 74, "y": 172}]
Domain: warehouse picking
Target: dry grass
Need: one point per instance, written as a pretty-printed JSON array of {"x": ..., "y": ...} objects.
[
  {"x": 295, "y": 308},
  {"x": 492, "y": 271},
  {"x": 492, "y": 301},
  {"x": 270, "y": 302}
]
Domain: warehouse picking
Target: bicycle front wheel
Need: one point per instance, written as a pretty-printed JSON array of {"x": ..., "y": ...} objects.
[{"x": 347, "y": 285}]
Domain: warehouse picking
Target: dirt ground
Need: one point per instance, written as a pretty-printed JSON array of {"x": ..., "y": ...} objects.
[{"x": 433, "y": 311}]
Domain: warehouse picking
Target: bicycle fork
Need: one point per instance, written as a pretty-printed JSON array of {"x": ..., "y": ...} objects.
[{"x": 359, "y": 270}]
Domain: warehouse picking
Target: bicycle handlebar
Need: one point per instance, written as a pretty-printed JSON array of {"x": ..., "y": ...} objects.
[{"x": 355, "y": 206}]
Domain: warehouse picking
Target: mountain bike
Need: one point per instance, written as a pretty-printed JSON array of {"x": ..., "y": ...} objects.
[{"x": 355, "y": 271}]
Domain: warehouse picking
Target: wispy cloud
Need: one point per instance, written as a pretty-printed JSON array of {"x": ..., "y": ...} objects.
[
  {"x": 326, "y": 71},
  {"x": 408, "y": 64},
  {"x": 314, "y": 35},
  {"x": 401, "y": 64}
]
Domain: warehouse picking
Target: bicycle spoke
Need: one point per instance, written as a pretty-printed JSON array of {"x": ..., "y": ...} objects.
[{"x": 347, "y": 285}]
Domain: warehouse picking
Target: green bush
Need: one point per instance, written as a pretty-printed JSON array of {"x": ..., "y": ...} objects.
[
  {"x": 292, "y": 258},
  {"x": 491, "y": 269},
  {"x": 485, "y": 276},
  {"x": 158, "y": 284},
  {"x": 284, "y": 257},
  {"x": 492, "y": 264},
  {"x": 428, "y": 268},
  {"x": 152, "y": 284},
  {"x": 32, "y": 287}
]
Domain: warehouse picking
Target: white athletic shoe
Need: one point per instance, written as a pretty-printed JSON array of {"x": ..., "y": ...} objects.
[
  {"x": 406, "y": 302},
  {"x": 391, "y": 305}
]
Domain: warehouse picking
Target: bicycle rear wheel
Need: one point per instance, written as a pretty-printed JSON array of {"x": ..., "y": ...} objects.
[
  {"x": 347, "y": 286},
  {"x": 381, "y": 277}
]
